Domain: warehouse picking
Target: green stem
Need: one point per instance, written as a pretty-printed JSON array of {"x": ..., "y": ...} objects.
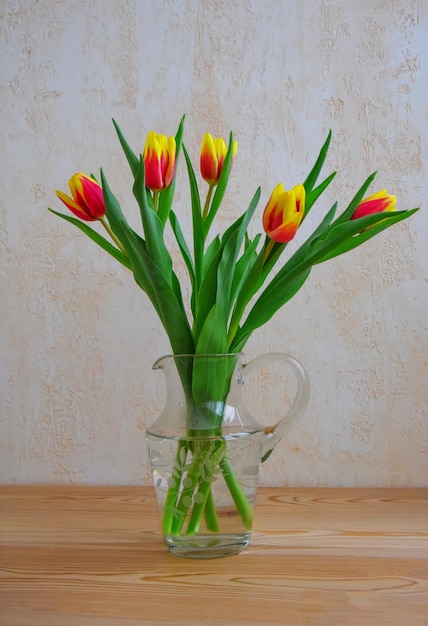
[
  {"x": 186, "y": 498},
  {"x": 198, "y": 509},
  {"x": 204, "y": 489},
  {"x": 156, "y": 200},
  {"x": 238, "y": 495},
  {"x": 211, "y": 519},
  {"x": 107, "y": 226},
  {"x": 235, "y": 324},
  {"x": 200, "y": 460},
  {"x": 207, "y": 456},
  {"x": 268, "y": 249},
  {"x": 173, "y": 491},
  {"x": 207, "y": 202}
]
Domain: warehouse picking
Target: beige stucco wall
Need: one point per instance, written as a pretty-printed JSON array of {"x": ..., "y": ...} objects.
[{"x": 78, "y": 338}]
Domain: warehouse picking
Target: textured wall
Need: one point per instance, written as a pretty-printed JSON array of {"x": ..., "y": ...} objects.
[{"x": 78, "y": 338}]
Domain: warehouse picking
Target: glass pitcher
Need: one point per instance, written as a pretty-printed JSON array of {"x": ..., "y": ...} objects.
[{"x": 205, "y": 450}]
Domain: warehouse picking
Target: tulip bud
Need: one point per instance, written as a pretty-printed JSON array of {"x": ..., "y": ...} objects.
[
  {"x": 212, "y": 156},
  {"x": 379, "y": 202},
  {"x": 87, "y": 201},
  {"x": 284, "y": 212},
  {"x": 159, "y": 161}
]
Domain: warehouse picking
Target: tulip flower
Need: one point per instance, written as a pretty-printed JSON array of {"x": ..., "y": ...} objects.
[
  {"x": 284, "y": 212},
  {"x": 159, "y": 161},
  {"x": 87, "y": 201},
  {"x": 379, "y": 202},
  {"x": 213, "y": 153}
]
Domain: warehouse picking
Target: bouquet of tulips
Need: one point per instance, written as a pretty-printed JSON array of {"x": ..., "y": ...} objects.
[{"x": 227, "y": 271}]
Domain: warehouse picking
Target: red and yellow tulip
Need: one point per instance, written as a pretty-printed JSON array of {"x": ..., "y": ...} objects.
[
  {"x": 284, "y": 212},
  {"x": 87, "y": 201},
  {"x": 213, "y": 154},
  {"x": 379, "y": 202},
  {"x": 159, "y": 161}
]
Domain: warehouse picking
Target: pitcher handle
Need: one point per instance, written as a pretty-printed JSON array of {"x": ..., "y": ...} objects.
[{"x": 276, "y": 432}]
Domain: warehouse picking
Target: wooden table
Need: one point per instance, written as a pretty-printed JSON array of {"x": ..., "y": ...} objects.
[{"x": 326, "y": 557}]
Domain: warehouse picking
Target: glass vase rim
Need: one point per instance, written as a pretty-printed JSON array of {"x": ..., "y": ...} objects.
[{"x": 196, "y": 356}]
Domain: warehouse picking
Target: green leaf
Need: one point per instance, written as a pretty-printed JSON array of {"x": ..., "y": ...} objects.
[
  {"x": 182, "y": 244},
  {"x": 150, "y": 278},
  {"x": 211, "y": 252},
  {"x": 271, "y": 300},
  {"x": 131, "y": 157},
  {"x": 246, "y": 292},
  {"x": 205, "y": 298},
  {"x": 343, "y": 238},
  {"x": 213, "y": 337},
  {"x": 313, "y": 195},
  {"x": 198, "y": 234},
  {"x": 207, "y": 292},
  {"x": 301, "y": 254},
  {"x": 152, "y": 225},
  {"x": 312, "y": 192},
  {"x": 243, "y": 268},
  {"x": 99, "y": 239},
  {"x": 349, "y": 211},
  {"x": 216, "y": 287},
  {"x": 211, "y": 379},
  {"x": 234, "y": 238},
  {"x": 335, "y": 240},
  {"x": 312, "y": 177},
  {"x": 165, "y": 301}
]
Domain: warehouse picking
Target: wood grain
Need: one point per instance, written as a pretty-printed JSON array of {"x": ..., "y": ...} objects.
[{"x": 94, "y": 556}]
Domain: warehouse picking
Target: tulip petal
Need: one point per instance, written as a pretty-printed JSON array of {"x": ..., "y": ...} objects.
[
  {"x": 212, "y": 156},
  {"x": 283, "y": 213},
  {"x": 154, "y": 175},
  {"x": 170, "y": 162},
  {"x": 74, "y": 207},
  {"x": 285, "y": 232},
  {"x": 93, "y": 197},
  {"x": 379, "y": 202},
  {"x": 87, "y": 202},
  {"x": 271, "y": 206},
  {"x": 208, "y": 160},
  {"x": 159, "y": 161}
]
